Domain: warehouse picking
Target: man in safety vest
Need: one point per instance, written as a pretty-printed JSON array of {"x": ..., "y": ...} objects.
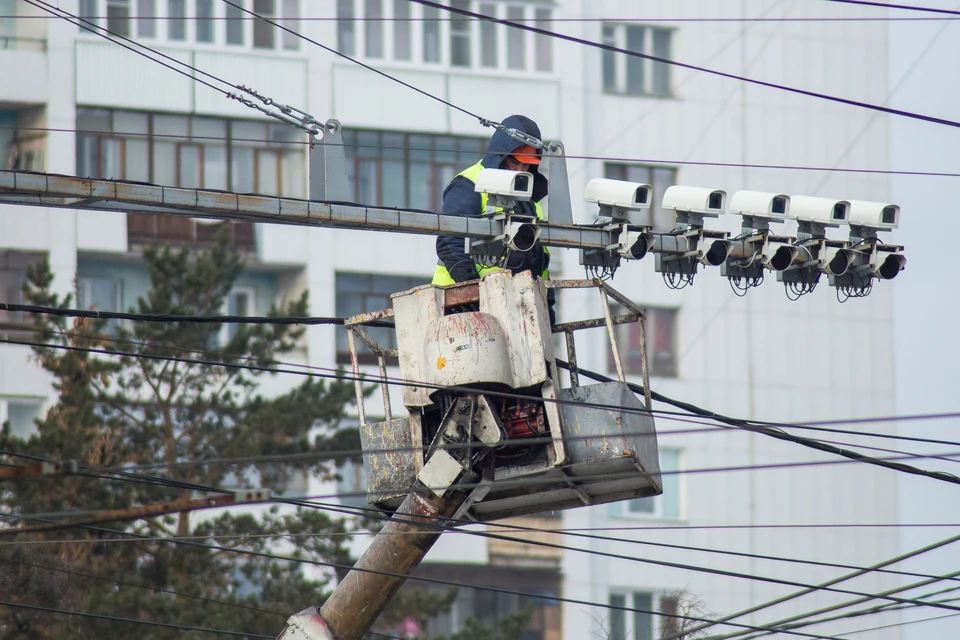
[{"x": 460, "y": 199}]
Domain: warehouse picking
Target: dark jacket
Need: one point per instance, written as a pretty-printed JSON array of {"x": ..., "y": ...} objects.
[{"x": 460, "y": 199}]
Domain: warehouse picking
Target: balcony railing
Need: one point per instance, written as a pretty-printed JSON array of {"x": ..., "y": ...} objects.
[{"x": 145, "y": 228}]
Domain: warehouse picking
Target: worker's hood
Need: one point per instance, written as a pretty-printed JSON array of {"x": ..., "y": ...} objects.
[{"x": 501, "y": 144}]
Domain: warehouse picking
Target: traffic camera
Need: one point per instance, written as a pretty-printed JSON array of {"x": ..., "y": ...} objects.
[{"x": 620, "y": 200}]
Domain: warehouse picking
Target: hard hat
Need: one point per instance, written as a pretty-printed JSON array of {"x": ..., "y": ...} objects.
[{"x": 526, "y": 154}]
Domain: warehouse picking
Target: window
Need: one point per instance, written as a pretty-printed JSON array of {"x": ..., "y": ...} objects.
[
  {"x": 488, "y": 37},
  {"x": 405, "y": 170},
  {"x": 459, "y": 35},
  {"x": 235, "y": 23},
  {"x": 239, "y": 302},
  {"x": 345, "y": 34},
  {"x": 291, "y": 18},
  {"x": 102, "y": 294},
  {"x": 373, "y": 28},
  {"x": 147, "y": 18},
  {"x": 431, "y": 34},
  {"x": 352, "y": 484},
  {"x": 364, "y": 292},
  {"x": 191, "y": 151},
  {"x": 118, "y": 17},
  {"x": 22, "y": 414},
  {"x": 176, "y": 20},
  {"x": 88, "y": 11},
  {"x": 647, "y": 621},
  {"x": 660, "y": 330},
  {"x": 667, "y": 505},
  {"x": 401, "y": 30},
  {"x": 264, "y": 33},
  {"x": 544, "y": 43},
  {"x": 204, "y": 21},
  {"x": 633, "y": 75},
  {"x": 658, "y": 177},
  {"x": 516, "y": 54},
  {"x": 13, "y": 268}
]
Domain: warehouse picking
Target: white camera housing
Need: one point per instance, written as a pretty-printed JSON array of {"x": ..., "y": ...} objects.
[
  {"x": 517, "y": 185},
  {"x": 760, "y": 204},
  {"x": 706, "y": 202},
  {"x": 621, "y": 194},
  {"x": 874, "y": 215},
  {"x": 822, "y": 211}
]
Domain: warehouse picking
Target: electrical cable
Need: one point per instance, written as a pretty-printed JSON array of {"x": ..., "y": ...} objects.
[
  {"x": 723, "y": 74},
  {"x": 149, "y": 623},
  {"x": 731, "y": 422},
  {"x": 904, "y": 7},
  {"x": 286, "y": 114}
]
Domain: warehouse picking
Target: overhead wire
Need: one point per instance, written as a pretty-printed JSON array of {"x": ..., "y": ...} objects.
[
  {"x": 148, "y": 623},
  {"x": 660, "y": 59},
  {"x": 903, "y": 7},
  {"x": 725, "y": 421}
]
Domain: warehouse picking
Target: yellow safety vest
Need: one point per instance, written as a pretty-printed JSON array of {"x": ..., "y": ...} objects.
[{"x": 441, "y": 277}]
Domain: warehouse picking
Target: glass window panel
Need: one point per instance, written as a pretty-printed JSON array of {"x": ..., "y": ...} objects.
[
  {"x": 368, "y": 179},
  {"x": 445, "y": 174},
  {"x": 431, "y": 34},
  {"x": 609, "y": 60},
  {"x": 205, "y": 128},
  {"x": 22, "y": 415},
  {"x": 661, "y": 71},
  {"x": 635, "y": 65},
  {"x": 373, "y": 28},
  {"x": 190, "y": 167},
  {"x": 421, "y": 148},
  {"x": 263, "y": 32},
  {"x": 445, "y": 149},
  {"x": 291, "y": 20},
  {"x": 176, "y": 19},
  {"x": 670, "y": 499},
  {"x": 618, "y": 618},
  {"x": 235, "y": 23},
  {"x": 137, "y": 160},
  {"x": 392, "y": 146},
  {"x": 544, "y": 43},
  {"x": 118, "y": 17},
  {"x": 164, "y": 163},
  {"x": 663, "y": 354},
  {"x": 663, "y": 178},
  {"x": 516, "y": 38},
  {"x": 248, "y": 132},
  {"x": 642, "y": 618},
  {"x": 638, "y": 173},
  {"x": 129, "y": 122},
  {"x": 102, "y": 294},
  {"x": 93, "y": 120},
  {"x": 293, "y": 173},
  {"x": 171, "y": 125},
  {"x": 204, "y": 21},
  {"x": 459, "y": 35},
  {"x": 241, "y": 170},
  {"x": 88, "y": 156},
  {"x": 368, "y": 144},
  {"x": 267, "y": 168},
  {"x": 401, "y": 30},
  {"x": 419, "y": 186},
  {"x": 394, "y": 185},
  {"x": 147, "y": 18},
  {"x": 488, "y": 37},
  {"x": 345, "y": 33},
  {"x": 111, "y": 158},
  {"x": 214, "y": 167},
  {"x": 88, "y": 11}
]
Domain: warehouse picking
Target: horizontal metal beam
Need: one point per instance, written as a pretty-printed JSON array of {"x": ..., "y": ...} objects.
[{"x": 86, "y": 194}]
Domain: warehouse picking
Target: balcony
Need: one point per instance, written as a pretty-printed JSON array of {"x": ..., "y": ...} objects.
[
  {"x": 23, "y": 57},
  {"x": 149, "y": 229}
]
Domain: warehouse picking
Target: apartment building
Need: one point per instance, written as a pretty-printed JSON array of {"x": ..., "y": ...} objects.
[{"x": 71, "y": 102}]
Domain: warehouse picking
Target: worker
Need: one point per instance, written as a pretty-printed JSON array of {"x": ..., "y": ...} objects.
[{"x": 460, "y": 199}]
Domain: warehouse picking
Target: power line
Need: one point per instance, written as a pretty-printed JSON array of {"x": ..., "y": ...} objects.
[
  {"x": 731, "y": 422},
  {"x": 723, "y": 74},
  {"x": 618, "y": 159},
  {"x": 286, "y": 114},
  {"x": 100, "y": 616},
  {"x": 905, "y": 7}
]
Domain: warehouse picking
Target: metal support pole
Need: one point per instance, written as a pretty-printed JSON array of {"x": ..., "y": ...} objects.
[{"x": 377, "y": 576}]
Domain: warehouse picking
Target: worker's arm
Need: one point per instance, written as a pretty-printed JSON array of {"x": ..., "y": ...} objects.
[{"x": 459, "y": 199}]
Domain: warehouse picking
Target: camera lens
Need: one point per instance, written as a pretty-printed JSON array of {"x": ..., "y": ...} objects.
[
  {"x": 716, "y": 200},
  {"x": 640, "y": 197},
  {"x": 889, "y": 215},
  {"x": 839, "y": 211},
  {"x": 521, "y": 183},
  {"x": 779, "y": 205}
]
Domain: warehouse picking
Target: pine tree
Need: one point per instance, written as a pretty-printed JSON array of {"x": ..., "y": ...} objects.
[{"x": 199, "y": 424}]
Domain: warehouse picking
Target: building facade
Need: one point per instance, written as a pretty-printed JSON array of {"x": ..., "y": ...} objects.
[{"x": 73, "y": 103}]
